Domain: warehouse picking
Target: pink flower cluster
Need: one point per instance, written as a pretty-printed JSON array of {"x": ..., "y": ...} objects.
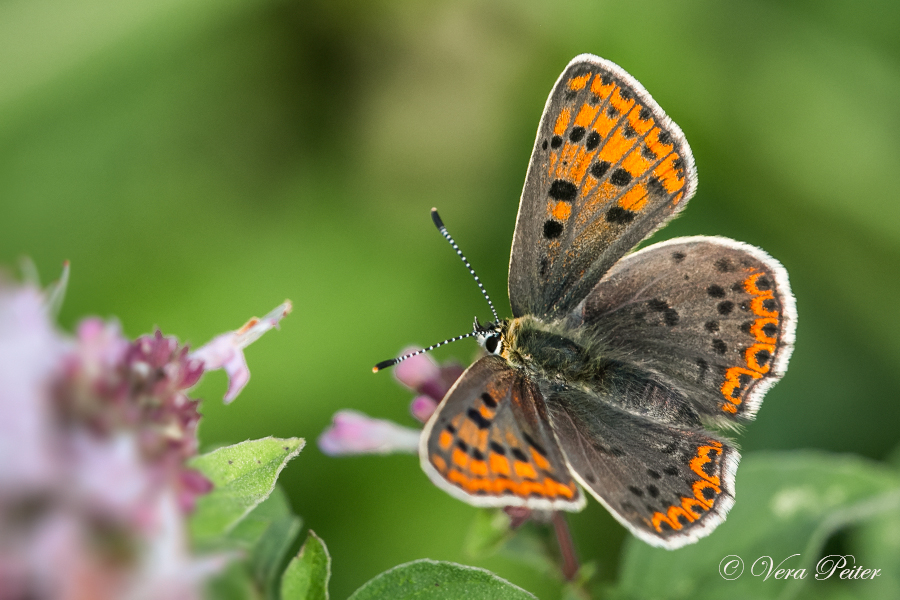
[
  {"x": 95, "y": 432},
  {"x": 355, "y": 433}
]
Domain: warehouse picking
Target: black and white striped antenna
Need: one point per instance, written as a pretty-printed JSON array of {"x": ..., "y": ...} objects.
[
  {"x": 479, "y": 329},
  {"x": 393, "y": 361},
  {"x": 440, "y": 225}
]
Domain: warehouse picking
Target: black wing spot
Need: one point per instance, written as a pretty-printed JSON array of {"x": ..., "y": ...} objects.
[
  {"x": 708, "y": 493},
  {"x": 671, "y": 471},
  {"x": 725, "y": 307},
  {"x": 617, "y": 214},
  {"x": 763, "y": 284},
  {"x": 593, "y": 140},
  {"x": 488, "y": 400},
  {"x": 763, "y": 357},
  {"x": 678, "y": 256},
  {"x": 653, "y": 474},
  {"x": 719, "y": 346},
  {"x": 462, "y": 446},
  {"x": 519, "y": 455},
  {"x": 770, "y": 304},
  {"x": 636, "y": 491},
  {"x": 495, "y": 447},
  {"x": 657, "y": 304},
  {"x": 746, "y": 326},
  {"x": 670, "y": 448},
  {"x": 620, "y": 177},
  {"x": 644, "y": 114},
  {"x": 552, "y": 229},
  {"x": 563, "y": 190},
  {"x": 628, "y": 131},
  {"x": 534, "y": 444},
  {"x": 723, "y": 265},
  {"x": 716, "y": 291},
  {"x": 611, "y": 112},
  {"x": 670, "y": 316},
  {"x": 544, "y": 145},
  {"x": 648, "y": 153},
  {"x": 770, "y": 329},
  {"x": 555, "y": 142},
  {"x": 476, "y": 454},
  {"x": 653, "y": 491},
  {"x": 544, "y": 265},
  {"x": 655, "y": 187},
  {"x": 599, "y": 169},
  {"x": 664, "y": 137},
  {"x": 711, "y": 326},
  {"x": 703, "y": 365},
  {"x": 625, "y": 93},
  {"x": 576, "y": 134}
]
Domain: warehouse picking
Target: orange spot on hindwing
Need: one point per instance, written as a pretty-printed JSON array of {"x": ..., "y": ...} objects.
[{"x": 702, "y": 496}]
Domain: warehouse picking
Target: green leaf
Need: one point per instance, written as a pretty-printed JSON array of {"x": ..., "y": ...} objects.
[
  {"x": 307, "y": 575},
  {"x": 438, "y": 580},
  {"x": 234, "y": 583},
  {"x": 251, "y": 529},
  {"x": 243, "y": 475},
  {"x": 268, "y": 556},
  {"x": 263, "y": 537},
  {"x": 787, "y": 504},
  {"x": 532, "y": 544}
]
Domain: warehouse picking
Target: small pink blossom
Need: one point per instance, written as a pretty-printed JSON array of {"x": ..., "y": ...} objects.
[
  {"x": 30, "y": 351},
  {"x": 355, "y": 433},
  {"x": 432, "y": 382},
  {"x": 226, "y": 350},
  {"x": 422, "y": 407}
]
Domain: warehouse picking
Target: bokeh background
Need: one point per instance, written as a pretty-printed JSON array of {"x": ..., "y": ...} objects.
[{"x": 198, "y": 161}]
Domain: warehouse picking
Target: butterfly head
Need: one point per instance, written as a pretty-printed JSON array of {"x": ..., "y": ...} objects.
[{"x": 490, "y": 336}]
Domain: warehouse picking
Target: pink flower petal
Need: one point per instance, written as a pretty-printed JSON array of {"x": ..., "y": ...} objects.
[
  {"x": 422, "y": 407},
  {"x": 30, "y": 353},
  {"x": 416, "y": 371},
  {"x": 355, "y": 433},
  {"x": 226, "y": 351}
]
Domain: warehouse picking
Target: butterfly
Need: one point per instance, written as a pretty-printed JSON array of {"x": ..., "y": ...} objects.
[{"x": 616, "y": 366}]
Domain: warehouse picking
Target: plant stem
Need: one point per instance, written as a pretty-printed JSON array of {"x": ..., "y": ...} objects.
[{"x": 566, "y": 547}]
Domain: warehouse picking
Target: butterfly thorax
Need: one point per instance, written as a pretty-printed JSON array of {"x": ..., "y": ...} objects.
[{"x": 550, "y": 351}]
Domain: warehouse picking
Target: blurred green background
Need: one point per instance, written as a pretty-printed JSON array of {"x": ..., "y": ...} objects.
[{"x": 200, "y": 161}]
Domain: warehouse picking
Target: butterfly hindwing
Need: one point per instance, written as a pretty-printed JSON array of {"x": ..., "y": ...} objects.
[
  {"x": 710, "y": 317},
  {"x": 668, "y": 485},
  {"x": 489, "y": 443},
  {"x": 608, "y": 168}
]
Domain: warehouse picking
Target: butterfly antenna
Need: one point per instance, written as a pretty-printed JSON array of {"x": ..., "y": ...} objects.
[
  {"x": 393, "y": 361},
  {"x": 440, "y": 225}
]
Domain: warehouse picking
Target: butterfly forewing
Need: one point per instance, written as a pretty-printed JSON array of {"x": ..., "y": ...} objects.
[
  {"x": 669, "y": 486},
  {"x": 608, "y": 168},
  {"x": 711, "y": 317},
  {"x": 489, "y": 443}
]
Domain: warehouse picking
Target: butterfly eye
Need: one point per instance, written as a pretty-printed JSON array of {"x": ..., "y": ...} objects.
[{"x": 492, "y": 344}]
